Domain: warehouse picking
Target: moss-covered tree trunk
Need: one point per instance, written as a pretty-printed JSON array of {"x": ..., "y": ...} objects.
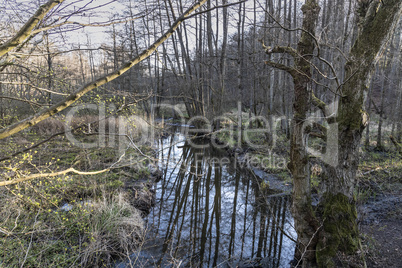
[
  {"x": 305, "y": 222},
  {"x": 377, "y": 20}
]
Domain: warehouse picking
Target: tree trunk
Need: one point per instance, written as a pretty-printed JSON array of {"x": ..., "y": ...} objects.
[
  {"x": 369, "y": 96},
  {"x": 381, "y": 114},
  {"x": 240, "y": 63},
  {"x": 398, "y": 111},
  {"x": 338, "y": 207},
  {"x": 49, "y": 68},
  {"x": 305, "y": 221},
  {"x": 222, "y": 63}
]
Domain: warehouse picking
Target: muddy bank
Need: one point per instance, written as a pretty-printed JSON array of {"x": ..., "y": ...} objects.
[
  {"x": 382, "y": 207},
  {"x": 381, "y": 229},
  {"x": 142, "y": 191}
]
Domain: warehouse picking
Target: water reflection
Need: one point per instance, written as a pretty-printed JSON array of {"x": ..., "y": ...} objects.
[{"x": 210, "y": 213}]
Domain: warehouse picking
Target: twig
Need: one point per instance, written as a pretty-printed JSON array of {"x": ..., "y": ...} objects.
[
  {"x": 38, "y": 88},
  {"x": 30, "y": 242},
  {"x": 306, "y": 247},
  {"x": 95, "y": 24},
  {"x": 22, "y": 100},
  {"x": 210, "y": 9},
  {"x": 4, "y": 231}
]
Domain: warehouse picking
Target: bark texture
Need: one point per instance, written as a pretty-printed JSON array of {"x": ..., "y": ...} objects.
[
  {"x": 305, "y": 222},
  {"x": 338, "y": 210}
]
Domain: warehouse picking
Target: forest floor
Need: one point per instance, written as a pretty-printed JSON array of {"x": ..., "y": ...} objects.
[
  {"x": 72, "y": 220},
  {"x": 380, "y": 189},
  {"x": 383, "y": 231}
]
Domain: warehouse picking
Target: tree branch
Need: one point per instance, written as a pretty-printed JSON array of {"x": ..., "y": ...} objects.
[
  {"x": 25, "y": 31},
  {"x": 22, "y": 100},
  {"x": 332, "y": 70},
  {"x": 36, "y": 118},
  {"x": 280, "y": 49},
  {"x": 38, "y": 88},
  {"x": 215, "y": 7},
  {"x": 53, "y": 174},
  {"x": 322, "y": 129},
  {"x": 377, "y": 110},
  {"x": 282, "y": 67},
  {"x": 396, "y": 144},
  {"x": 289, "y": 29},
  {"x": 319, "y": 104},
  {"x": 96, "y": 24}
]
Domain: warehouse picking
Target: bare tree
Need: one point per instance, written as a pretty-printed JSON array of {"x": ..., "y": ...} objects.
[{"x": 41, "y": 115}]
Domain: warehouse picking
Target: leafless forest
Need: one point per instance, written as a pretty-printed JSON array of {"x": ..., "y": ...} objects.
[{"x": 91, "y": 92}]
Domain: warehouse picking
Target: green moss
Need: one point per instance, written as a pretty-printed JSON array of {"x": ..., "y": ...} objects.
[
  {"x": 142, "y": 174},
  {"x": 351, "y": 106},
  {"x": 340, "y": 229},
  {"x": 264, "y": 186},
  {"x": 115, "y": 184},
  {"x": 315, "y": 182}
]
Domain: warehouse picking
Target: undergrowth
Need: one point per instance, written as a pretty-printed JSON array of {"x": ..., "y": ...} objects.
[{"x": 70, "y": 220}]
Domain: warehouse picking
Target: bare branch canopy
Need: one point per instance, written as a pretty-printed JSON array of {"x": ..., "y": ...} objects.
[{"x": 41, "y": 115}]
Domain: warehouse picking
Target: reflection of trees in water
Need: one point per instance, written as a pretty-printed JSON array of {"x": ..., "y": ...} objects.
[{"x": 210, "y": 214}]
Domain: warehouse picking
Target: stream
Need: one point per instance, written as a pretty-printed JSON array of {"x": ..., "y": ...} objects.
[{"x": 209, "y": 212}]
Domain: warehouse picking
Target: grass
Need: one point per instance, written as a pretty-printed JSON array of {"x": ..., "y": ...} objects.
[
  {"x": 116, "y": 229},
  {"x": 89, "y": 234},
  {"x": 380, "y": 171},
  {"x": 71, "y": 220}
]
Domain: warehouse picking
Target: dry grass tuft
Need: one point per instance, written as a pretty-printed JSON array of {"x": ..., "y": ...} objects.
[{"x": 116, "y": 229}]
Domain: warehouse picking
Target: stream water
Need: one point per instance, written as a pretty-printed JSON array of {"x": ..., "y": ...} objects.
[{"x": 211, "y": 213}]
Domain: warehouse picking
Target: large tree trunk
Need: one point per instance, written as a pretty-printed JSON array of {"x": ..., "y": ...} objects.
[
  {"x": 338, "y": 208},
  {"x": 305, "y": 221}
]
